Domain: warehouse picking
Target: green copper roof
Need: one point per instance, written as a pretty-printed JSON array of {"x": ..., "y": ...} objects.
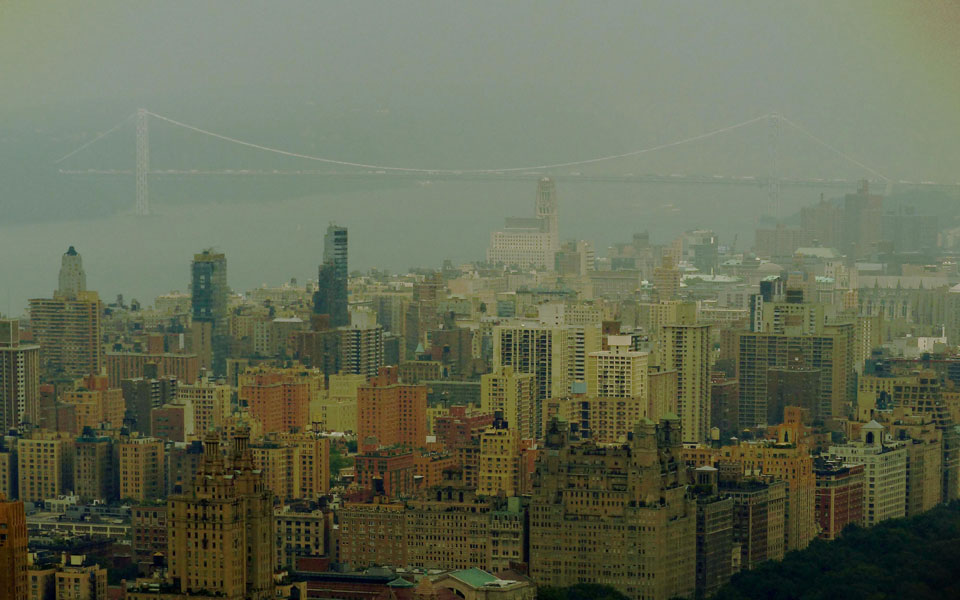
[
  {"x": 473, "y": 577},
  {"x": 400, "y": 582}
]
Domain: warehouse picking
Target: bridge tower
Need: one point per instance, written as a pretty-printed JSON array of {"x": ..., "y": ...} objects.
[
  {"x": 143, "y": 162},
  {"x": 773, "y": 177}
]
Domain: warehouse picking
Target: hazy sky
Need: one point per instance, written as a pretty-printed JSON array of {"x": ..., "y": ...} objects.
[
  {"x": 453, "y": 84},
  {"x": 878, "y": 78}
]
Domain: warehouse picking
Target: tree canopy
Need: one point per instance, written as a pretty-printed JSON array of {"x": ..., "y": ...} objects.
[
  {"x": 581, "y": 591},
  {"x": 912, "y": 558}
]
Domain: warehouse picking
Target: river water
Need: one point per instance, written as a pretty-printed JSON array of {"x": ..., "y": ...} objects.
[{"x": 270, "y": 237}]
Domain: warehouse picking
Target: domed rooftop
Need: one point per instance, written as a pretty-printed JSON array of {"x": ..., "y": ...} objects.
[{"x": 769, "y": 267}]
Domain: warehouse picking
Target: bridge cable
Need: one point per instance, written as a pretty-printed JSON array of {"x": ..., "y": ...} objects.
[
  {"x": 456, "y": 171},
  {"x": 834, "y": 149},
  {"x": 96, "y": 139}
]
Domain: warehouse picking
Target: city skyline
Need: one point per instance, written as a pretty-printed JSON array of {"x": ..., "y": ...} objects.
[{"x": 479, "y": 301}]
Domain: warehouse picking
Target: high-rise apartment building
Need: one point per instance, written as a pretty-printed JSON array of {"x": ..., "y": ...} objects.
[
  {"x": 512, "y": 394},
  {"x": 13, "y": 550},
  {"x": 391, "y": 413},
  {"x": 617, "y": 515},
  {"x": 699, "y": 248},
  {"x": 141, "y": 395},
  {"x": 277, "y": 464},
  {"x": 790, "y": 333},
  {"x": 575, "y": 259},
  {"x": 295, "y": 466},
  {"x": 885, "y": 469},
  {"x": 210, "y": 402},
  {"x": 338, "y": 410},
  {"x": 758, "y": 519},
  {"x": 666, "y": 279},
  {"x": 422, "y": 315},
  {"x": 95, "y": 473},
  {"x": 95, "y": 403},
  {"x": 793, "y": 384},
  {"x": 331, "y": 296},
  {"x": 922, "y": 394},
  {"x": 67, "y": 329},
  {"x": 925, "y": 458},
  {"x": 221, "y": 530},
  {"x": 45, "y": 465},
  {"x": 500, "y": 465},
  {"x": 184, "y": 368},
  {"x": 606, "y": 420},
  {"x": 476, "y": 532},
  {"x": 386, "y": 471},
  {"x": 619, "y": 372},
  {"x": 209, "y": 309},
  {"x": 724, "y": 404},
  {"x": 840, "y": 496},
  {"x": 280, "y": 398},
  {"x": 555, "y": 355},
  {"x": 449, "y": 528},
  {"x": 771, "y": 460},
  {"x": 361, "y": 345},
  {"x": 141, "y": 468},
  {"x": 530, "y": 242},
  {"x": 685, "y": 348},
  {"x": 714, "y": 533},
  {"x": 172, "y": 422},
  {"x": 19, "y": 378},
  {"x": 382, "y": 544},
  {"x": 67, "y": 326},
  {"x": 789, "y": 462}
]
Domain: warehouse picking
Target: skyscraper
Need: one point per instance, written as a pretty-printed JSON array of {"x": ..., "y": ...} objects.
[
  {"x": 422, "y": 314},
  {"x": 795, "y": 332},
  {"x": 221, "y": 532},
  {"x": 361, "y": 345},
  {"x": 335, "y": 249},
  {"x": 530, "y": 242},
  {"x": 619, "y": 372},
  {"x": 862, "y": 222},
  {"x": 67, "y": 326},
  {"x": 514, "y": 395},
  {"x": 686, "y": 349},
  {"x": 209, "y": 309},
  {"x": 19, "y": 378},
  {"x": 547, "y": 211},
  {"x": 541, "y": 350},
  {"x": 73, "y": 279},
  {"x": 614, "y": 514},
  {"x": 331, "y": 296}
]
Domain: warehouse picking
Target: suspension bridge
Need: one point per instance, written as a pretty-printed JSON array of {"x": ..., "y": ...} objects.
[{"x": 772, "y": 181}]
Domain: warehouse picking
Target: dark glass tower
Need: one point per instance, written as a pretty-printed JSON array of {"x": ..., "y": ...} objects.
[
  {"x": 331, "y": 296},
  {"x": 209, "y": 302}
]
